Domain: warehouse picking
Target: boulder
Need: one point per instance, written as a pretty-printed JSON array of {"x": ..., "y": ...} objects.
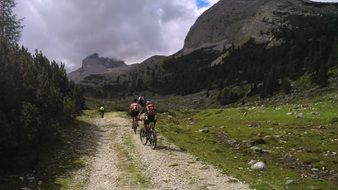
[{"x": 258, "y": 166}]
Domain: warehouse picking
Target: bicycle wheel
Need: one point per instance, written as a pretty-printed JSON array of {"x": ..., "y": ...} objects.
[
  {"x": 153, "y": 138},
  {"x": 143, "y": 136}
]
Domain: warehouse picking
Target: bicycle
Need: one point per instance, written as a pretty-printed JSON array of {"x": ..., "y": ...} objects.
[{"x": 149, "y": 135}]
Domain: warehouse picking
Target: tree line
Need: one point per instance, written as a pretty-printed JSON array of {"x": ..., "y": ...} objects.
[{"x": 35, "y": 94}]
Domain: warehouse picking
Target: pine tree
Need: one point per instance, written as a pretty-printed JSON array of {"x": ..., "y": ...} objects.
[
  {"x": 323, "y": 75},
  {"x": 10, "y": 26},
  {"x": 286, "y": 86}
]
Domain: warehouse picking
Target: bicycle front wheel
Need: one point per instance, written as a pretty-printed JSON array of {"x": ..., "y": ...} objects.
[
  {"x": 153, "y": 138},
  {"x": 143, "y": 136}
]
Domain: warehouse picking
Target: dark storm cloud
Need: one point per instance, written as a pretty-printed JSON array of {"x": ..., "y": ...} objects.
[{"x": 132, "y": 30}]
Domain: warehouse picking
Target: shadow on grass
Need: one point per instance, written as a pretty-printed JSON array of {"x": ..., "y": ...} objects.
[{"x": 54, "y": 162}]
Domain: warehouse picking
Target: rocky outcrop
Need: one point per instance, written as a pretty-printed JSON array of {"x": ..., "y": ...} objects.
[
  {"x": 94, "y": 64},
  {"x": 236, "y": 21}
]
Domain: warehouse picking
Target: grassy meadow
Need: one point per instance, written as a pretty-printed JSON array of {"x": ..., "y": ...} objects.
[{"x": 297, "y": 140}]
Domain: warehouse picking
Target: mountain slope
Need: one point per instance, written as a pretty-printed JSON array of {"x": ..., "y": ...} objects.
[
  {"x": 236, "y": 22},
  {"x": 239, "y": 48},
  {"x": 94, "y": 64}
]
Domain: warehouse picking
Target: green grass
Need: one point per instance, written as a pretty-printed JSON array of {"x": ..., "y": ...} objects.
[
  {"x": 295, "y": 145},
  {"x": 162, "y": 103},
  {"x": 110, "y": 105}
]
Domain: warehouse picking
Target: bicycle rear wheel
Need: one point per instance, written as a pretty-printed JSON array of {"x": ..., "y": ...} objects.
[
  {"x": 153, "y": 137},
  {"x": 143, "y": 136}
]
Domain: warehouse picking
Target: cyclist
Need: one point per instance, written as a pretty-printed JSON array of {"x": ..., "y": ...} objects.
[
  {"x": 150, "y": 115},
  {"x": 142, "y": 105},
  {"x": 101, "y": 110},
  {"x": 134, "y": 111},
  {"x": 148, "y": 133}
]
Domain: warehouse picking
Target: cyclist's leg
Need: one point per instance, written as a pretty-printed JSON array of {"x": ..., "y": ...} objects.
[
  {"x": 145, "y": 126},
  {"x": 136, "y": 120}
]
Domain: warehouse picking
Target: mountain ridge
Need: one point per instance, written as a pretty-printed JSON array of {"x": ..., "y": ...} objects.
[
  {"x": 235, "y": 22},
  {"x": 258, "y": 49},
  {"x": 94, "y": 64}
]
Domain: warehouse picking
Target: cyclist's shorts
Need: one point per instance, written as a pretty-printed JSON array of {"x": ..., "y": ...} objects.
[
  {"x": 134, "y": 113},
  {"x": 150, "y": 119}
]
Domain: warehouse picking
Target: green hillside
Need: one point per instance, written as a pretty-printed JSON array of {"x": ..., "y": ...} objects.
[{"x": 296, "y": 139}]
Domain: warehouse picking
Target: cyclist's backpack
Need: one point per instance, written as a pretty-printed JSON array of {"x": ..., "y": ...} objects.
[
  {"x": 134, "y": 107},
  {"x": 150, "y": 110}
]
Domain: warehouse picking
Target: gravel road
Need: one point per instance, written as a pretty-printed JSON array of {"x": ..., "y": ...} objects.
[{"x": 122, "y": 162}]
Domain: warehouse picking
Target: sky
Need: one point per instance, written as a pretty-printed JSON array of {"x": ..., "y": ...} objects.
[{"x": 131, "y": 30}]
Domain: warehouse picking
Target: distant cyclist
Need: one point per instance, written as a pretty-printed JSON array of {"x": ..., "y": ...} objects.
[
  {"x": 101, "y": 110},
  {"x": 134, "y": 111}
]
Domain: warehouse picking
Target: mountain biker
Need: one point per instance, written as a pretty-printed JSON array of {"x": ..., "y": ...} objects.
[
  {"x": 142, "y": 104},
  {"x": 101, "y": 110},
  {"x": 134, "y": 110},
  {"x": 150, "y": 115}
]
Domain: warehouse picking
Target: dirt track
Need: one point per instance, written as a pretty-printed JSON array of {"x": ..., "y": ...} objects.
[{"x": 122, "y": 162}]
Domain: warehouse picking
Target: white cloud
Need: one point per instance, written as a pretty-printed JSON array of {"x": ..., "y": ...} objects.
[{"x": 131, "y": 30}]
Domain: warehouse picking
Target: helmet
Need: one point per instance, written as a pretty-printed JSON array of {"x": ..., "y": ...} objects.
[
  {"x": 148, "y": 102},
  {"x": 140, "y": 98}
]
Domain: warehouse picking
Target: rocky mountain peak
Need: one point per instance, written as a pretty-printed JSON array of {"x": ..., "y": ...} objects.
[
  {"x": 94, "y": 64},
  {"x": 93, "y": 56},
  {"x": 236, "y": 21}
]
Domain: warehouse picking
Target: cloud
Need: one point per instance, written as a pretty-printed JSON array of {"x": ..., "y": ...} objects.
[{"x": 131, "y": 30}]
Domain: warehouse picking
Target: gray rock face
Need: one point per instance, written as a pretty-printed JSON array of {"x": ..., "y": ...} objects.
[
  {"x": 94, "y": 64},
  {"x": 236, "y": 21}
]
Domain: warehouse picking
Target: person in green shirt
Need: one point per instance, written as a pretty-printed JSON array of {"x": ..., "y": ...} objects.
[{"x": 101, "y": 110}]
